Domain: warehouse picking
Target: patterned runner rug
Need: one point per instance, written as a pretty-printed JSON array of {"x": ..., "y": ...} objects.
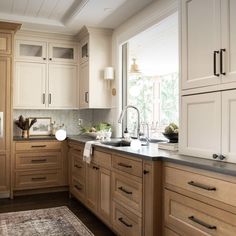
[{"x": 58, "y": 221}]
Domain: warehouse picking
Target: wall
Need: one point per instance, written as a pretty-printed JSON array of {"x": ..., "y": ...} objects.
[
  {"x": 149, "y": 16},
  {"x": 68, "y": 117}
]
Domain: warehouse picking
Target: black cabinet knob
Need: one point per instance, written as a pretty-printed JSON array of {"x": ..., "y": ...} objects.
[
  {"x": 222, "y": 157},
  {"x": 145, "y": 172},
  {"x": 215, "y": 156}
]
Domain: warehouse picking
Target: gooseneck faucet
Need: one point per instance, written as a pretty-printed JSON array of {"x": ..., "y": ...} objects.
[{"x": 138, "y": 113}]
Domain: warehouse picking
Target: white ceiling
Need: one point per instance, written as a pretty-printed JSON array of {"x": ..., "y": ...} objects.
[
  {"x": 68, "y": 16},
  {"x": 156, "y": 49}
]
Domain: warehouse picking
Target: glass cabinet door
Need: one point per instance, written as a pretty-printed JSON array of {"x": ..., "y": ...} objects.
[
  {"x": 62, "y": 53},
  {"x": 31, "y": 50}
]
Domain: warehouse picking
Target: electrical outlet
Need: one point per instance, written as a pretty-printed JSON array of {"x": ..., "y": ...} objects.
[{"x": 80, "y": 122}]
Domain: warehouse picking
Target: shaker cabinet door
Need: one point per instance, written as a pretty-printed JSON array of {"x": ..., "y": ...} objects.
[
  {"x": 200, "y": 22},
  {"x": 29, "y": 85},
  {"x": 62, "y": 86},
  {"x": 229, "y": 125},
  {"x": 201, "y": 125}
]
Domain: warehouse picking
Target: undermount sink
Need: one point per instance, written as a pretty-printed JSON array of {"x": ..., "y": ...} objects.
[{"x": 117, "y": 143}]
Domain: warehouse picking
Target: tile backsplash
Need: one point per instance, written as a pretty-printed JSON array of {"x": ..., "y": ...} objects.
[{"x": 70, "y": 118}]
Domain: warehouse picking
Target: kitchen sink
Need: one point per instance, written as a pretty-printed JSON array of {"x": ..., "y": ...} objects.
[{"x": 117, "y": 143}]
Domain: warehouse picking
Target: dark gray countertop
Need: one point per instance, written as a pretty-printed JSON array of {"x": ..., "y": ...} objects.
[
  {"x": 152, "y": 153},
  {"x": 19, "y": 138}
]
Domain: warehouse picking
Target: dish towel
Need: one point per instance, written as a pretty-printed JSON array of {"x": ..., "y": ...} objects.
[{"x": 88, "y": 151}]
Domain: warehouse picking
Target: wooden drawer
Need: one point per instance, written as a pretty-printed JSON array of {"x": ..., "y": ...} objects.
[
  {"x": 35, "y": 160},
  {"x": 127, "y": 165},
  {"x": 127, "y": 192},
  {"x": 190, "y": 217},
  {"x": 77, "y": 188},
  {"x": 35, "y": 145},
  {"x": 217, "y": 189},
  {"x": 5, "y": 43},
  {"x": 125, "y": 222},
  {"x": 79, "y": 149},
  {"x": 37, "y": 179},
  {"x": 101, "y": 158},
  {"x": 78, "y": 168}
]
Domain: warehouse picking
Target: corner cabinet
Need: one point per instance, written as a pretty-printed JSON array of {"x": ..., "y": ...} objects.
[
  {"x": 95, "y": 55},
  {"x": 207, "y": 44},
  {"x": 208, "y": 125},
  {"x": 45, "y": 75}
]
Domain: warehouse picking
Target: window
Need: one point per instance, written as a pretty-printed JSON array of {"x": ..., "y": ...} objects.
[{"x": 152, "y": 77}]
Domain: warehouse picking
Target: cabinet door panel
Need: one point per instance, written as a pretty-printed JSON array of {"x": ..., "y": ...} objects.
[
  {"x": 201, "y": 125},
  {"x": 62, "y": 86},
  {"x": 92, "y": 186},
  {"x": 104, "y": 208},
  {"x": 5, "y": 43},
  {"x": 4, "y": 173},
  {"x": 5, "y": 65},
  {"x": 84, "y": 86},
  {"x": 229, "y": 125},
  {"x": 228, "y": 16},
  {"x": 200, "y": 38},
  {"x": 29, "y": 85}
]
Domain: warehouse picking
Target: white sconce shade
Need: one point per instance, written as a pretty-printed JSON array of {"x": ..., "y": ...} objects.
[{"x": 109, "y": 73}]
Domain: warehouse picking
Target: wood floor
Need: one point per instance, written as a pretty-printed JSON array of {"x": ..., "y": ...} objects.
[{"x": 39, "y": 201}]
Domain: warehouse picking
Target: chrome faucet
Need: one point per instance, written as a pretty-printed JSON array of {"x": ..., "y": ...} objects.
[{"x": 138, "y": 113}]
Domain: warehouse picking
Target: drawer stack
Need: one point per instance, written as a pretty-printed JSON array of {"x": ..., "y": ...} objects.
[
  {"x": 127, "y": 195},
  {"x": 38, "y": 164},
  {"x": 199, "y": 202}
]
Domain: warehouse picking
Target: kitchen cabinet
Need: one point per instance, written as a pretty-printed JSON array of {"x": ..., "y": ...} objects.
[
  {"x": 208, "y": 56},
  {"x": 7, "y": 31},
  {"x": 208, "y": 127},
  {"x": 195, "y": 202},
  {"x": 123, "y": 191},
  {"x": 95, "y": 55},
  {"x": 39, "y": 165},
  {"x": 45, "y": 75}
]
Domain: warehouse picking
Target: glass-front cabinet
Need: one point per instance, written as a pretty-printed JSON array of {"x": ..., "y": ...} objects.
[
  {"x": 31, "y": 50},
  {"x": 43, "y": 51},
  {"x": 62, "y": 52}
]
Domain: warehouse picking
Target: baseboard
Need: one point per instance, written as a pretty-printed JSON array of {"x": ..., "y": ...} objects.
[{"x": 39, "y": 191}]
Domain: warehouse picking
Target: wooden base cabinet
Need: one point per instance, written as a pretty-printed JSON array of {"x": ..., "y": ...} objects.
[
  {"x": 195, "y": 202},
  {"x": 39, "y": 164}
]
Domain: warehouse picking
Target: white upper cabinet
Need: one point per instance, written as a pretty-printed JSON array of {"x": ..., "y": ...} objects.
[
  {"x": 228, "y": 49},
  {"x": 208, "y": 49},
  {"x": 201, "y": 125},
  {"x": 200, "y": 38},
  {"x": 63, "y": 52},
  {"x": 95, "y": 55},
  {"x": 29, "y": 85},
  {"x": 62, "y": 86},
  {"x": 46, "y": 73},
  {"x": 31, "y": 51},
  {"x": 229, "y": 125}
]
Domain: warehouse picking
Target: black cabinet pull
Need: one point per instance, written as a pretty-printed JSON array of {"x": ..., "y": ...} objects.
[
  {"x": 50, "y": 59},
  {"x": 124, "y": 165},
  {"x": 44, "y": 58},
  {"x": 221, "y": 157},
  {"x": 38, "y": 146},
  {"x": 95, "y": 167},
  {"x": 214, "y": 64},
  {"x": 38, "y": 178},
  {"x": 221, "y": 60},
  {"x": 77, "y": 187},
  {"x": 145, "y": 172},
  {"x": 124, "y": 223},
  {"x": 86, "y": 97},
  {"x": 77, "y": 166},
  {"x": 202, "y": 186},
  {"x": 38, "y": 160},
  {"x": 50, "y": 98},
  {"x": 43, "y": 98},
  {"x": 124, "y": 190},
  {"x": 200, "y": 222}
]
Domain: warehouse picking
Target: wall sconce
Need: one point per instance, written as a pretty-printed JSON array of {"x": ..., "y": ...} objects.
[{"x": 108, "y": 73}]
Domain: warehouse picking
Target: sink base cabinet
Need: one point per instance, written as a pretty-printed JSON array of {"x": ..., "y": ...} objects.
[{"x": 123, "y": 191}]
